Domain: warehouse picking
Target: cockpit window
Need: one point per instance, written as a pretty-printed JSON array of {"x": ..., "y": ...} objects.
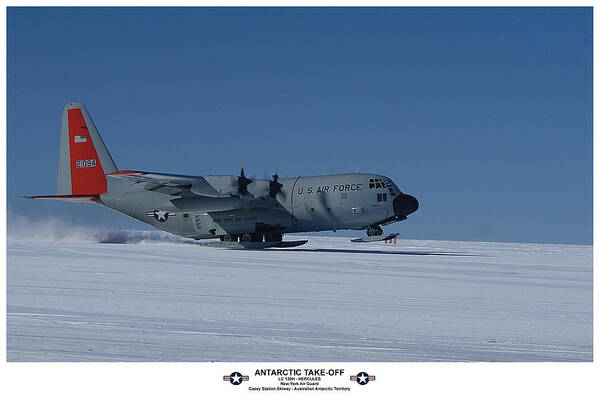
[
  {"x": 377, "y": 183},
  {"x": 390, "y": 186}
]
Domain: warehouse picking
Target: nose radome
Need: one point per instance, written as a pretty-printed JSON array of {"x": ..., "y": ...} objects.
[{"x": 405, "y": 204}]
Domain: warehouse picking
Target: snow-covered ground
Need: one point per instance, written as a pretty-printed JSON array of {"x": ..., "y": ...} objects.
[{"x": 329, "y": 300}]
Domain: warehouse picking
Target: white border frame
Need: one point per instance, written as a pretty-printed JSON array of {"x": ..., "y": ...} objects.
[{"x": 194, "y": 381}]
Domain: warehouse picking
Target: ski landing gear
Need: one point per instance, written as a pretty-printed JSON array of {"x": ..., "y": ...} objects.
[
  {"x": 254, "y": 241},
  {"x": 375, "y": 233}
]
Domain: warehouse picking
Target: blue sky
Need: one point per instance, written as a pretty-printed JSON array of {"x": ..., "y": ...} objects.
[{"x": 484, "y": 114}]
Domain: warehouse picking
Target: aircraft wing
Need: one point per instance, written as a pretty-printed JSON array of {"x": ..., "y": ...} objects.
[{"x": 168, "y": 183}]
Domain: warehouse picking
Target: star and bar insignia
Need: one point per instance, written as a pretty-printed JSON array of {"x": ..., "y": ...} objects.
[
  {"x": 362, "y": 378},
  {"x": 159, "y": 215},
  {"x": 236, "y": 378}
]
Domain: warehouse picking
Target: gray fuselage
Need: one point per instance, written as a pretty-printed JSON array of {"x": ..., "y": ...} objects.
[{"x": 304, "y": 204}]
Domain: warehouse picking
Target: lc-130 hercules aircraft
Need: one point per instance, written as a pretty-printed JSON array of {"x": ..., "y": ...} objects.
[{"x": 240, "y": 211}]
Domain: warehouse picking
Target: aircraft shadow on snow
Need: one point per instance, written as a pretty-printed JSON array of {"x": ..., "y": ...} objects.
[{"x": 376, "y": 252}]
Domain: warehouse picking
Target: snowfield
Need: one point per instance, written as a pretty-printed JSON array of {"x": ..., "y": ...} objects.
[{"x": 135, "y": 296}]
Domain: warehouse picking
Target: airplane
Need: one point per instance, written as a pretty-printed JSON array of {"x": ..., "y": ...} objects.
[{"x": 239, "y": 211}]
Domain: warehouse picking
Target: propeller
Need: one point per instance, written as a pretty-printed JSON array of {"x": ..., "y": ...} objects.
[
  {"x": 242, "y": 183},
  {"x": 275, "y": 186}
]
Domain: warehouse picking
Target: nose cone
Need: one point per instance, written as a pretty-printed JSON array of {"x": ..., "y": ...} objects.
[{"x": 405, "y": 204}]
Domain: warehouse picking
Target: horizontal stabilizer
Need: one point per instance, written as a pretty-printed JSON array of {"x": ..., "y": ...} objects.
[{"x": 92, "y": 198}]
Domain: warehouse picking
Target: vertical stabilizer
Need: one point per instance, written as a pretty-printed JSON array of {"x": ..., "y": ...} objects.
[{"x": 83, "y": 160}]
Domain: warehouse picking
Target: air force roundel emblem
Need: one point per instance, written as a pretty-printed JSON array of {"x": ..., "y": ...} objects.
[
  {"x": 362, "y": 378},
  {"x": 236, "y": 378},
  {"x": 159, "y": 215}
]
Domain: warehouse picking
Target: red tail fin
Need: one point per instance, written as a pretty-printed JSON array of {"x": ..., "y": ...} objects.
[
  {"x": 87, "y": 176},
  {"x": 84, "y": 160}
]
